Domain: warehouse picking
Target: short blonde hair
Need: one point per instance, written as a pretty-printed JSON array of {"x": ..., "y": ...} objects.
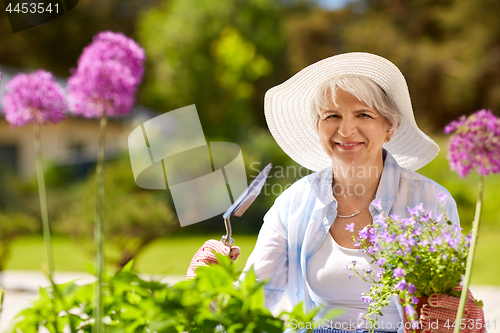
[{"x": 364, "y": 89}]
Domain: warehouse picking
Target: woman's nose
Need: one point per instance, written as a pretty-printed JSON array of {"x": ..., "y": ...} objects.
[{"x": 347, "y": 128}]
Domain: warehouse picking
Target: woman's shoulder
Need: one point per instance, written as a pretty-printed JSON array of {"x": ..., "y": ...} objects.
[{"x": 416, "y": 180}]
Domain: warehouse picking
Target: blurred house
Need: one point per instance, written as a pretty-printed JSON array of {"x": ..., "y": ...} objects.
[{"x": 71, "y": 144}]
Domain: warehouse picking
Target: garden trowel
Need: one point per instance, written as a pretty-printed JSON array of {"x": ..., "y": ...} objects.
[{"x": 241, "y": 204}]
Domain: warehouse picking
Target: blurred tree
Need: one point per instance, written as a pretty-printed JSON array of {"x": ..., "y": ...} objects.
[
  {"x": 134, "y": 216},
  {"x": 214, "y": 55},
  {"x": 56, "y": 45},
  {"x": 449, "y": 51}
]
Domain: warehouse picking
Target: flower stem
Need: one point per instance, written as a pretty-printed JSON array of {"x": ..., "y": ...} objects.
[
  {"x": 470, "y": 257},
  {"x": 99, "y": 228},
  {"x": 43, "y": 198}
]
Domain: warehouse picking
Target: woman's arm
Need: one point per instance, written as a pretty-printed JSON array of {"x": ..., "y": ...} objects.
[{"x": 270, "y": 256}]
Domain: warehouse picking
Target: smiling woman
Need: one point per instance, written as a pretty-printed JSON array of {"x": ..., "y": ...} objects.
[{"x": 350, "y": 112}]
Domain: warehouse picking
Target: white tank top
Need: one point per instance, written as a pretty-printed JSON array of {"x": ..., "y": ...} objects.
[{"x": 328, "y": 278}]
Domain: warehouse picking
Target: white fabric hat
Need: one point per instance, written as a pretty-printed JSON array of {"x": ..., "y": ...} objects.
[{"x": 287, "y": 110}]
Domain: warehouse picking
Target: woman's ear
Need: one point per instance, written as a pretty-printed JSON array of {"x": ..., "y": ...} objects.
[{"x": 389, "y": 133}]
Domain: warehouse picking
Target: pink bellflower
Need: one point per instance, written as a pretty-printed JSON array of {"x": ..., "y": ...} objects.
[
  {"x": 109, "y": 72},
  {"x": 34, "y": 97}
]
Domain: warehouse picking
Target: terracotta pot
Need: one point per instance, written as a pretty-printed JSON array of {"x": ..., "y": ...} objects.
[{"x": 406, "y": 324}]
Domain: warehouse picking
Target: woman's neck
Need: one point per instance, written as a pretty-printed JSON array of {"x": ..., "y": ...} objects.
[{"x": 360, "y": 181}]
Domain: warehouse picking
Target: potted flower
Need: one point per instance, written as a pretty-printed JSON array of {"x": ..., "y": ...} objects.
[{"x": 419, "y": 255}]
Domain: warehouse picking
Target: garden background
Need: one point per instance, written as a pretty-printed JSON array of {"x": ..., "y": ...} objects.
[{"x": 223, "y": 56}]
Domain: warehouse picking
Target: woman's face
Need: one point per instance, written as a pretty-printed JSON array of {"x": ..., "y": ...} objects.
[{"x": 352, "y": 133}]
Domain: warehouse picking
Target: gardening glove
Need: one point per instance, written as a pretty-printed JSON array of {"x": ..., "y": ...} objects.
[
  {"x": 205, "y": 255},
  {"x": 440, "y": 314}
]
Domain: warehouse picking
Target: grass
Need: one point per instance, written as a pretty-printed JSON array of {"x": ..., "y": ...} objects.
[
  {"x": 164, "y": 256},
  {"x": 172, "y": 256}
]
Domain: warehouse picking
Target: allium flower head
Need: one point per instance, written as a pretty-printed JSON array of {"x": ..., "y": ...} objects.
[
  {"x": 107, "y": 77},
  {"x": 34, "y": 97},
  {"x": 475, "y": 143}
]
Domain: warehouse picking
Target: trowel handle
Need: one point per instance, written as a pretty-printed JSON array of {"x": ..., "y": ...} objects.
[{"x": 227, "y": 240}]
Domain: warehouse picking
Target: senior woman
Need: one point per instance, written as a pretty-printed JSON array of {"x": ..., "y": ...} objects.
[{"x": 349, "y": 118}]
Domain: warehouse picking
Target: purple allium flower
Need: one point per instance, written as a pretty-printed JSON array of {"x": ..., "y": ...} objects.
[
  {"x": 401, "y": 285},
  {"x": 380, "y": 274},
  {"x": 360, "y": 315},
  {"x": 109, "y": 71},
  {"x": 475, "y": 143},
  {"x": 445, "y": 257},
  {"x": 398, "y": 272},
  {"x": 377, "y": 204},
  {"x": 411, "y": 288},
  {"x": 350, "y": 227},
  {"x": 381, "y": 261},
  {"x": 33, "y": 97},
  {"x": 414, "y": 300},
  {"x": 399, "y": 252},
  {"x": 432, "y": 249}
]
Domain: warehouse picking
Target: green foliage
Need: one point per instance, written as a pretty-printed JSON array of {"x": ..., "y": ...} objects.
[
  {"x": 132, "y": 304},
  {"x": 134, "y": 217}
]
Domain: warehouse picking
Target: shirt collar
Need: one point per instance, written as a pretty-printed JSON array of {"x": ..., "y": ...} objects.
[{"x": 388, "y": 185}]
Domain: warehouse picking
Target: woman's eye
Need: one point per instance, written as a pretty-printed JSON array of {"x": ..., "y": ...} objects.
[
  {"x": 365, "y": 115},
  {"x": 331, "y": 116}
]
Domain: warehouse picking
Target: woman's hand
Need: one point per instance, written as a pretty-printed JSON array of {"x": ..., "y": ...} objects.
[
  {"x": 441, "y": 313},
  {"x": 206, "y": 255}
]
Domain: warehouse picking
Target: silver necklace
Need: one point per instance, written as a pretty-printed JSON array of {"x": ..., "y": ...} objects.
[{"x": 346, "y": 216}]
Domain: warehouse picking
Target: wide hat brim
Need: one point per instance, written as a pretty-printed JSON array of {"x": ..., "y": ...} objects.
[{"x": 291, "y": 123}]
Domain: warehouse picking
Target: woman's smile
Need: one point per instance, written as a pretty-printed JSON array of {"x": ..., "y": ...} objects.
[{"x": 348, "y": 145}]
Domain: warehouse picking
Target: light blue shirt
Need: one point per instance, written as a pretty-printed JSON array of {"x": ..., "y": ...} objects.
[{"x": 302, "y": 215}]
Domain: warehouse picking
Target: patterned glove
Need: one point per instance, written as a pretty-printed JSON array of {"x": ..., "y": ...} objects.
[
  {"x": 441, "y": 313},
  {"x": 205, "y": 255}
]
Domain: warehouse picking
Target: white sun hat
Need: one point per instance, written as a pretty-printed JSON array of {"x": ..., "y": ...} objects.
[{"x": 287, "y": 110}]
